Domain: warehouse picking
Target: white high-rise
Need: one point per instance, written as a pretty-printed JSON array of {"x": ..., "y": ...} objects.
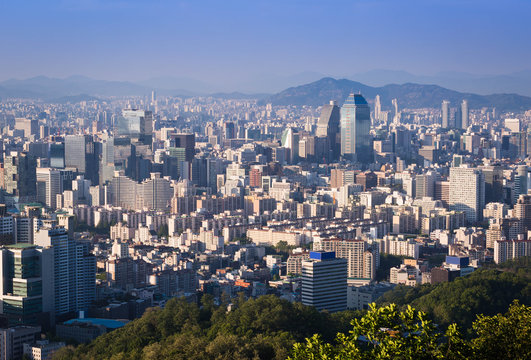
[
  {"x": 464, "y": 115},
  {"x": 49, "y": 184},
  {"x": 445, "y": 114},
  {"x": 467, "y": 192}
]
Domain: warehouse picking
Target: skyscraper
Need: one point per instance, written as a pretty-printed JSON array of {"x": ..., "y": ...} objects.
[
  {"x": 356, "y": 142},
  {"x": 377, "y": 109},
  {"x": 137, "y": 124},
  {"x": 74, "y": 269},
  {"x": 49, "y": 184},
  {"x": 396, "y": 114},
  {"x": 26, "y": 289},
  {"x": 83, "y": 154},
  {"x": 467, "y": 192},
  {"x": 328, "y": 126},
  {"x": 464, "y": 115},
  {"x": 324, "y": 281},
  {"x": 445, "y": 114},
  {"x": 20, "y": 176}
]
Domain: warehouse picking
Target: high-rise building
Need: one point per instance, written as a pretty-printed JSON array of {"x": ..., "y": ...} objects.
[
  {"x": 354, "y": 252},
  {"x": 136, "y": 124},
  {"x": 356, "y": 141},
  {"x": 396, "y": 113},
  {"x": 20, "y": 176},
  {"x": 57, "y": 155},
  {"x": 522, "y": 212},
  {"x": 445, "y": 114},
  {"x": 425, "y": 185},
  {"x": 26, "y": 289},
  {"x": 49, "y": 185},
  {"x": 328, "y": 126},
  {"x": 29, "y": 126},
  {"x": 464, "y": 115},
  {"x": 324, "y": 281},
  {"x": 74, "y": 269},
  {"x": 467, "y": 192},
  {"x": 493, "y": 183},
  {"x": 377, "y": 109}
]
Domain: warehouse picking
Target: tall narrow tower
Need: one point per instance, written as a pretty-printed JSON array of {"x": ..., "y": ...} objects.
[
  {"x": 445, "y": 114},
  {"x": 356, "y": 142},
  {"x": 328, "y": 126}
]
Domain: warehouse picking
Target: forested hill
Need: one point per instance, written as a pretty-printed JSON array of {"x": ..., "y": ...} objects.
[
  {"x": 487, "y": 291},
  {"x": 268, "y": 327}
]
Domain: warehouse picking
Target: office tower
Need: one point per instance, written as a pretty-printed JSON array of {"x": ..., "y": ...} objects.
[
  {"x": 74, "y": 269},
  {"x": 290, "y": 140},
  {"x": 75, "y": 148},
  {"x": 493, "y": 183},
  {"x": 57, "y": 155},
  {"x": 521, "y": 181},
  {"x": 425, "y": 185},
  {"x": 522, "y": 212},
  {"x": 106, "y": 162},
  {"x": 356, "y": 142},
  {"x": 229, "y": 130},
  {"x": 186, "y": 142},
  {"x": 328, "y": 126},
  {"x": 136, "y": 124},
  {"x": 49, "y": 184},
  {"x": 26, "y": 289},
  {"x": 396, "y": 114},
  {"x": 464, "y": 115},
  {"x": 513, "y": 125},
  {"x": 458, "y": 120},
  {"x": 445, "y": 114},
  {"x": 83, "y": 154},
  {"x": 377, "y": 109},
  {"x": 20, "y": 176},
  {"x": 442, "y": 191},
  {"x": 324, "y": 281},
  {"x": 467, "y": 192},
  {"x": 29, "y": 126}
]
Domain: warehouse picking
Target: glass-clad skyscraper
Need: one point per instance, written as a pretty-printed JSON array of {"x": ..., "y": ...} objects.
[
  {"x": 328, "y": 126},
  {"x": 356, "y": 142},
  {"x": 137, "y": 124}
]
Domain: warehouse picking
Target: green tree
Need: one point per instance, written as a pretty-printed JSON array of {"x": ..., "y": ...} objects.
[
  {"x": 387, "y": 333},
  {"x": 504, "y": 336}
]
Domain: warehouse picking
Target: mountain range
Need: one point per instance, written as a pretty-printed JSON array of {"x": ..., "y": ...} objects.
[{"x": 409, "y": 95}]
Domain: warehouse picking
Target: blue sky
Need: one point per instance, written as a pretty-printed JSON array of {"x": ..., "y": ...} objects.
[{"x": 222, "y": 40}]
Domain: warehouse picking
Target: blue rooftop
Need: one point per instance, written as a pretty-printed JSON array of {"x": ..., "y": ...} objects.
[
  {"x": 355, "y": 99},
  {"x": 108, "y": 323}
]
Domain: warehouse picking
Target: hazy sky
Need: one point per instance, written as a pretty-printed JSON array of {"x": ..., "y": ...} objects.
[{"x": 223, "y": 39}]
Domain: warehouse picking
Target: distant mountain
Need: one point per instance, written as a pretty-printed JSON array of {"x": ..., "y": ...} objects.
[
  {"x": 74, "y": 99},
  {"x": 238, "y": 95},
  {"x": 50, "y": 88},
  {"x": 83, "y": 88},
  {"x": 519, "y": 82},
  {"x": 170, "y": 83},
  {"x": 409, "y": 95}
]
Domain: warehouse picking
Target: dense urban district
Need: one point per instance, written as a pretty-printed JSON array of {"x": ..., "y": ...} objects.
[{"x": 233, "y": 227}]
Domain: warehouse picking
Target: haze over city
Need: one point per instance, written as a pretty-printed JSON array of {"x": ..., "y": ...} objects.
[
  {"x": 272, "y": 180},
  {"x": 236, "y": 45}
]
